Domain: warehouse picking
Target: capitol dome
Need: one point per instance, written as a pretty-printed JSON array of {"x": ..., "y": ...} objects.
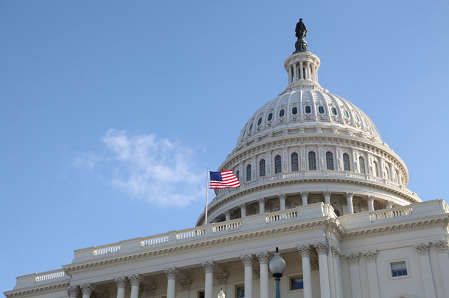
[{"x": 308, "y": 146}]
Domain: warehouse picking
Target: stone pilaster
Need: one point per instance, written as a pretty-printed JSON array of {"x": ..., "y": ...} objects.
[
  {"x": 426, "y": 270},
  {"x": 441, "y": 248},
  {"x": 349, "y": 196},
  {"x": 353, "y": 260},
  {"x": 373, "y": 283},
  {"x": 322, "y": 249}
]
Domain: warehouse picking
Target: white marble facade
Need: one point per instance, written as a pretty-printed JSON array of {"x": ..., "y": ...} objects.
[{"x": 319, "y": 183}]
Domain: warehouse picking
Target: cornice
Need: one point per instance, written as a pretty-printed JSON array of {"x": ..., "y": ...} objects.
[{"x": 32, "y": 291}]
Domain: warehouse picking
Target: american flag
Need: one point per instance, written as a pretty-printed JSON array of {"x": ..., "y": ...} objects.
[{"x": 223, "y": 180}]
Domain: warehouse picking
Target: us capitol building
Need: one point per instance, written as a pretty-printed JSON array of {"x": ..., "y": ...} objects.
[{"x": 318, "y": 181}]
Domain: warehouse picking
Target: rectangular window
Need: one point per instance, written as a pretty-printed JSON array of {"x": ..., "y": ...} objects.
[
  {"x": 398, "y": 269},
  {"x": 296, "y": 283},
  {"x": 239, "y": 291},
  {"x": 200, "y": 294}
]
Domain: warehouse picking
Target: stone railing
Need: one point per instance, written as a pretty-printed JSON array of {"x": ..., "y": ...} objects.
[
  {"x": 280, "y": 215},
  {"x": 105, "y": 249},
  {"x": 390, "y": 213},
  {"x": 227, "y": 225},
  {"x": 49, "y": 275},
  {"x": 189, "y": 233},
  {"x": 162, "y": 238}
]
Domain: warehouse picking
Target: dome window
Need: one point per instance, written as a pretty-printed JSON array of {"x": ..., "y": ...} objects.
[
  {"x": 321, "y": 109},
  {"x": 295, "y": 163},
  {"x": 277, "y": 164},
  {"x": 312, "y": 161},
  {"x": 248, "y": 173},
  {"x": 357, "y": 117},
  {"x": 270, "y": 116},
  {"x": 329, "y": 161},
  {"x": 346, "y": 113},
  {"x": 281, "y": 113},
  {"x": 250, "y": 127},
  {"x": 308, "y": 110},
  {"x": 259, "y": 121},
  {"x": 362, "y": 165},
  {"x": 262, "y": 168},
  {"x": 346, "y": 163},
  {"x": 334, "y": 111},
  {"x": 294, "y": 110}
]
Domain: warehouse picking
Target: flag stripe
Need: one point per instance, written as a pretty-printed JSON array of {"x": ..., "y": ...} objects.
[{"x": 225, "y": 179}]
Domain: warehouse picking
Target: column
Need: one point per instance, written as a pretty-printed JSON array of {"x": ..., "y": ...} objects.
[
  {"x": 228, "y": 215},
  {"x": 282, "y": 202},
  {"x": 307, "y": 70},
  {"x": 263, "y": 262},
  {"x": 349, "y": 196},
  {"x": 337, "y": 272},
  {"x": 248, "y": 264},
  {"x": 295, "y": 72},
  {"x": 87, "y": 290},
  {"x": 389, "y": 204},
  {"x": 304, "y": 195},
  {"x": 209, "y": 267},
  {"x": 327, "y": 197},
  {"x": 290, "y": 70},
  {"x": 442, "y": 249},
  {"x": 373, "y": 283},
  {"x": 261, "y": 206},
  {"x": 304, "y": 251},
  {"x": 171, "y": 273},
  {"x": 426, "y": 271},
  {"x": 301, "y": 73},
  {"x": 353, "y": 260},
  {"x": 121, "y": 286},
  {"x": 135, "y": 280},
  {"x": 322, "y": 249},
  {"x": 242, "y": 211},
  {"x": 73, "y": 291},
  {"x": 371, "y": 203},
  {"x": 150, "y": 290}
]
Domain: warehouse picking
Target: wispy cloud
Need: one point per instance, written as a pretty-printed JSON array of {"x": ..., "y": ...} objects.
[{"x": 159, "y": 170}]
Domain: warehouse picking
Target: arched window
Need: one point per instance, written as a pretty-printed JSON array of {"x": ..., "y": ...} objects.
[
  {"x": 270, "y": 116},
  {"x": 281, "y": 113},
  {"x": 386, "y": 173},
  {"x": 237, "y": 174},
  {"x": 362, "y": 165},
  {"x": 277, "y": 164},
  {"x": 375, "y": 169},
  {"x": 262, "y": 168},
  {"x": 334, "y": 111},
  {"x": 329, "y": 161},
  {"x": 295, "y": 163},
  {"x": 312, "y": 161},
  {"x": 346, "y": 162},
  {"x": 259, "y": 121},
  {"x": 294, "y": 110},
  {"x": 248, "y": 173},
  {"x": 321, "y": 109},
  {"x": 308, "y": 110}
]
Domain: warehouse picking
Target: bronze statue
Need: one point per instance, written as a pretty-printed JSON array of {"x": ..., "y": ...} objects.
[{"x": 301, "y": 30}]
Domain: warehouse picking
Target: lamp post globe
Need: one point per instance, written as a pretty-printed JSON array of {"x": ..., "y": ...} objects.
[{"x": 277, "y": 268}]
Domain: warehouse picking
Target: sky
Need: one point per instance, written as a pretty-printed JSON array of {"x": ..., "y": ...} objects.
[{"x": 111, "y": 111}]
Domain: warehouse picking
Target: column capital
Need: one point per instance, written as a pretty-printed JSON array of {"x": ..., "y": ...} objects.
[
  {"x": 335, "y": 252},
  {"x": 186, "y": 284},
  {"x": 353, "y": 258},
  {"x": 87, "y": 288},
  {"x": 370, "y": 256},
  {"x": 327, "y": 193},
  {"x": 321, "y": 248},
  {"x": 304, "y": 193},
  {"x": 422, "y": 248},
  {"x": 73, "y": 291},
  {"x": 135, "y": 279},
  {"x": 209, "y": 266},
  {"x": 304, "y": 250},
  {"x": 247, "y": 260},
  {"x": 281, "y": 196},
  {"x": 349, "y": 195},
  {"x": 171, "y": 273},
  {"x": 370, "y": 198},
  {"x": 243, "y": 206},
  {"x": 150, "y": 289},
  {"x": 121, "y": 281},
  {"x": 261, "y": 200},
  {"x": 389, "y": 204},
  {"x": 263, "y": 257},
  {"x": 441, "y": 246},
  {"x": 227, "y": 212},
  {"x": 222, "y": 278}
]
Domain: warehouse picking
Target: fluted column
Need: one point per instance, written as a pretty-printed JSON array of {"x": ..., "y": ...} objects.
[
  {"x": 327, "y": 197},
  {"x": 121, "y": 286},
  {"x": 304, "y": 250},
  {"x": 308, "y": 70},
  {"x": 295, "y": 72},
  {"x": 135, "y": 280},
  {"x": 282, "y": 202},
  {"x": 171, "y": 273},
  {"x": 263, "y": 263},
  {"x": 243, "y": 210},
  {"x": 228, "y": 215},
  {"x": 290, "y": 78},
  {"x": 322, "y": 249},
  {"x": 426, "y": 271},
  {"x": 353, "y": 260},
  {"x": 73, "y": 291},
  {"x": 248, "y": 264},
  {"x": 371, "y": 203},
  {"x": 349, "y": 196},
  {"x": 209, "y": 267},
  {"x": 304, "y": 196},
  {"x": 261, "y": 206},
  {"x": 337, "y": 273},
  {"x": 301, "y": 73},
  {"x": 373, "y": 283},
  {"x": 442, "y": 250},
  {"x": 87, "y": 290}
]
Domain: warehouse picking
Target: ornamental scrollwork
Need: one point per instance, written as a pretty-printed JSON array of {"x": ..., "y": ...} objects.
[
  {"x": 441, "y": 246},
  {"x": 186, "y": 284},
  {"x": 422, "y": 248},
  {"x": 222, "y": 278}
]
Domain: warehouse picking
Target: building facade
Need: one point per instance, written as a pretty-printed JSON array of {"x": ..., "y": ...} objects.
[{"x": 318, "y": 182}]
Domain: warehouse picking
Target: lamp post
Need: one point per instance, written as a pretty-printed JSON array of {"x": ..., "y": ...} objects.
[
  {"x": 277, "y": 268},
  {"x": 221, "y": 294}
]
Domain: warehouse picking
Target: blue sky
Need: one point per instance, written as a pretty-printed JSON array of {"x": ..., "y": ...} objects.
[{"x": 95, "y": 93}]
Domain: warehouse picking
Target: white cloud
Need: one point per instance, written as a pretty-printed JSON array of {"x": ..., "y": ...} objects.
[{"x": 159, "y": 170}]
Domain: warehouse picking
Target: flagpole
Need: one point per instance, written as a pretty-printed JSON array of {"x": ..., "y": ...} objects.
[{"x": 207, "y": 194}]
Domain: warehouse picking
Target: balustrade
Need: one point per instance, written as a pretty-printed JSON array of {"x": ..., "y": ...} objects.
[
  {"x": 49, "y": 275},
  {"x": 277, "y": 216},
  {"x": 189, "y": 233},
  {"x": 106, "y": 249},
  {"x": 155, "y": 240},
  {"x": 390, "y": 213},
  {"x": 226, "y": 226}
]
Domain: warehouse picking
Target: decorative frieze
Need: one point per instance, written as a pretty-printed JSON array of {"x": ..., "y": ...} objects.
[
  {"x": 87, "y": 289},
  {"x": 171, "y": 273},
  {"x": 322, "y": 248},
  {"x": 370, "y": 256},
  {"x": 135, "y": 279},
  {"x": 353, "y": 258},
  {"x": 247, "y": 260},
  {"x": 304, "y": 250},
  {"x": 121, "y": 281},
  {"x": 186, "y": 284},
  {"x": 209, "y": 266},
  {"x": 222, "y": 278},
  {"x": 441, "y": 246},
  {"x": 422, "y": 248}
]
